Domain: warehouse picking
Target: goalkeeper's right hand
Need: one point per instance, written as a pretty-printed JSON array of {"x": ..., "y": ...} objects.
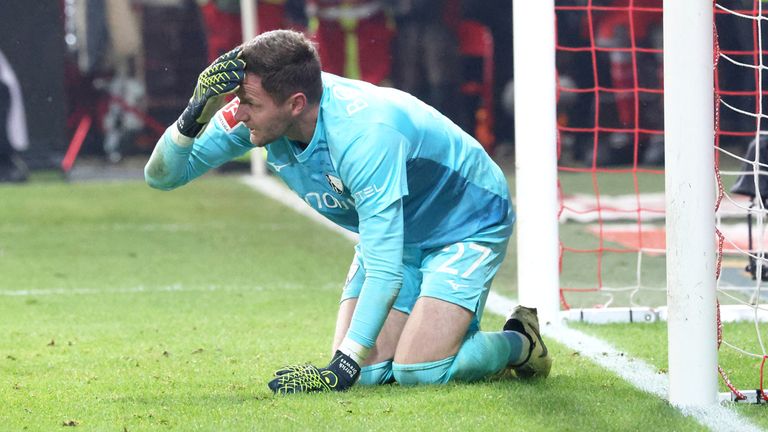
[
  {"x": 221, "y": 78},
  {"x": 339, "y": 375}
]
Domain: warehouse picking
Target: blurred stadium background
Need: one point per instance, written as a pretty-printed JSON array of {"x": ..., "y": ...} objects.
[{"x": 106, "y": 77}]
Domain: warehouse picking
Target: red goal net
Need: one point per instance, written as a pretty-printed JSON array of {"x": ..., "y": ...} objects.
[
  {"x": 611, "y": 149},
  {"x": 609, "y": 56}
]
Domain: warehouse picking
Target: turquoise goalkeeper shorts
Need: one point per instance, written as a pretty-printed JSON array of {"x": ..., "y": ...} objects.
[{"x": 460, "y": 273}]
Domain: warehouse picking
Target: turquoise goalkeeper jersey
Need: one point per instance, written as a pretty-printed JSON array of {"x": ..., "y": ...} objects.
[{"x": 381, "y": 163}]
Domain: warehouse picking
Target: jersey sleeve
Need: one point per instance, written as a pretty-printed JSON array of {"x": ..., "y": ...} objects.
[
  {"x": 381, "y": 241},
  {"x": 172, "y": 165},
  {"x": 374, "y": 170}
]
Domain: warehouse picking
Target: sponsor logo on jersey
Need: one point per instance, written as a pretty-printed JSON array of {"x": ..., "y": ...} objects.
[
  {"x": 335, "y": 183},
  {"x": 325, "y": 200},
  {"x": 359, "y": 196},
  {"x": 226, "y": 115}
]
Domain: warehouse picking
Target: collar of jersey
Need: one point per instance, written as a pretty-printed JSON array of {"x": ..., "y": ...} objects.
[{"x": 317, "y": 137}]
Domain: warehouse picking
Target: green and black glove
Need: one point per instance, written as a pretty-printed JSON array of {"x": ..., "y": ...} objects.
[
  {"x": 339, "y": 375},
  {"x": 221, "y": 78}
]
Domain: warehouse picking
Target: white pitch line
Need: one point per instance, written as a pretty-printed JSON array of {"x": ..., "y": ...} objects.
[
  {"x": 88, "y": 291},
  {"x": 635, "y": 371},
  {"x": 156, "y": 289},
  {"x": 280, "y": 193},
  {"x": 645, "y": 377}
]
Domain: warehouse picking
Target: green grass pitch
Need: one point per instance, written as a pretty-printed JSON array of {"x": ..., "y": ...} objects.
[{"x": 125, "y": 308}]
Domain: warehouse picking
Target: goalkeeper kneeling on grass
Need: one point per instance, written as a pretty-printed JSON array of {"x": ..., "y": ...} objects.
[{"x": 431, "y": 207}]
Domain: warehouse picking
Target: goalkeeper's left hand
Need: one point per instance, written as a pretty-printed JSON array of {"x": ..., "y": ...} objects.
[{"x": 339, "y": 375}]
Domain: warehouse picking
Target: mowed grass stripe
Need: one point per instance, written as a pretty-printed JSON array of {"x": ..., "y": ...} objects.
[
  {"x": 199, "y": 359},
  {"x": 634, "y": 371}
]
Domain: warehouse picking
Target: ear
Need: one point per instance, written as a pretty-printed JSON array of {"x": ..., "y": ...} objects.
[{"x": 297, "y": 103}]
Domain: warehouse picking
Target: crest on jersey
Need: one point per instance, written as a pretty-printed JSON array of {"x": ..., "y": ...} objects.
[{"x": 335, "y": 183}]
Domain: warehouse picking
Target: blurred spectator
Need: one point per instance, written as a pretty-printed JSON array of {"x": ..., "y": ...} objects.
[
  {"x": 497, "y": 16},
  {"x": 105, "y": 78},
  {"x": 427, "y": 54},
  {"x": 13, "y": 126},
  {"x": 620, "y": 36},
  {"x": 353, "y": 37},
  {"x": 124, "y": 85},
  {"x": 575, "y": 71},
  {"x": 738, "y": 44},
  {"x": 627, "y": 57},
  {"x": 223, "y": 27}
]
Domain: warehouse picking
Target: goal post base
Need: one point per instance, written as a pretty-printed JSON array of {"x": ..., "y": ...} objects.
[
  {"x": 752, "y": 397},
  {"x": 620, "y": 315},
  {"x": 612, "y": 315}
]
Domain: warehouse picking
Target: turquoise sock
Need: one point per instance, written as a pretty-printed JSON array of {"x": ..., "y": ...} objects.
[
  {"x": 375, "y": 374},
  {"x": 435, "y": 372},
  {"x": 482, "y": 354}
]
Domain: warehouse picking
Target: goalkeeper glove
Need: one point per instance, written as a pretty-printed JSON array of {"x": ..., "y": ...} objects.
[
  {"x": 339, "y": 375},
  {"x": 285, "y": 370},
  {"x": 221, "y": 78}
]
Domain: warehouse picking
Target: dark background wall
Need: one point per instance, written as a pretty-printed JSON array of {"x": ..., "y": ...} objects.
[{"x": 32, "y": 39}]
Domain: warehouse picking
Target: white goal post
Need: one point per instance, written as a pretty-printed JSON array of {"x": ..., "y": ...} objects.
[
  {"x": 538, "y": 280},
  {"x": 690, "y": 201},
  {"x": 689, "y": 184}
]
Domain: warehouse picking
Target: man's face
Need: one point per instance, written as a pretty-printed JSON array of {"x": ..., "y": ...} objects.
[{"x": 266, "y": 119}]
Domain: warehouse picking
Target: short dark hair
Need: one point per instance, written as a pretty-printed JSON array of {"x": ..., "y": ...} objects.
[{"x": 287, "y": 63}]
